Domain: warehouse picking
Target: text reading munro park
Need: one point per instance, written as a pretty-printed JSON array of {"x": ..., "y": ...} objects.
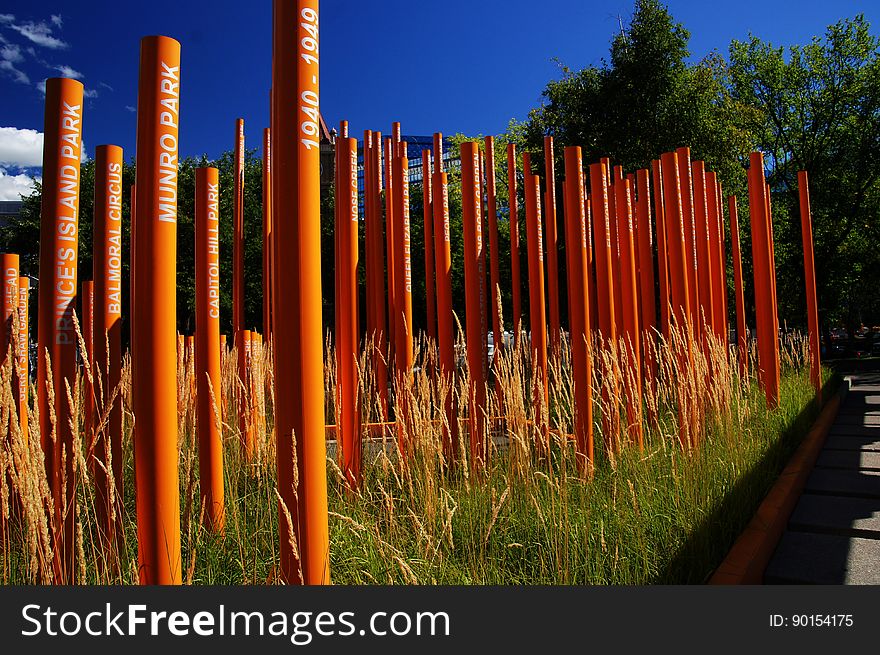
[{"x": 613, "y": 400}]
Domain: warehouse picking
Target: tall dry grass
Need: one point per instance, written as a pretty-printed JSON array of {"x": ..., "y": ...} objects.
[{"x": 665, "y": 511}]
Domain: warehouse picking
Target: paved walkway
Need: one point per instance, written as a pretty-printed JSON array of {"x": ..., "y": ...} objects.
[{"x": 833, "y": 535}]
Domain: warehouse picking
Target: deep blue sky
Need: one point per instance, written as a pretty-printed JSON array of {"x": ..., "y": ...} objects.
[{"x": 452, "y": 66}]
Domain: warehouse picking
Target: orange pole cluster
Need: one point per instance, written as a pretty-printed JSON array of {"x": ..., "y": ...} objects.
[
  {"x": 107, "y": 360},
  {"x": 208, "y": 345},
  {"x": 56, "y": 335},
  {"x": 766, "y": 318},
  {"x": 475, "y": 299},
  {"x": 810, "y": 282},
  {"x": 298, "y": 344},
  {"x": 154, "y": 312}
]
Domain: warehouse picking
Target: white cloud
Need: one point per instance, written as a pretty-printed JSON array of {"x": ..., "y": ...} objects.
[
  {"x": 6, "y": 18},
  {"x": 105, "y": 85},
  {"x": 90, "y": 93},
  {"x": 67, "y": 71},
  {"x": 21, "y": 148},
  {"x": 13, "y": 187},
  {"x": 41, "y": 86},
  {"x": 10, "y": 55},
  {"x": 39, "y": 33},
  {"x": 130, "y": 108},
  {"x": 57, "y": 21}
]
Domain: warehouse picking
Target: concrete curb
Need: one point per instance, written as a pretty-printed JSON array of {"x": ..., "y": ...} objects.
[{"x": 750, "y": 554}]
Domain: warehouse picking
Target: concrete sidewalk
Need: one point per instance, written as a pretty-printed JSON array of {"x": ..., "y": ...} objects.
[{"x": 833, "y": 535}]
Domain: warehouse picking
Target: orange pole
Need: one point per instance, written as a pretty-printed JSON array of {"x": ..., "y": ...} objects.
[
  {"x": 603, "y": 254},
  {"x": 299, "y": 373},
  {"x": 22, "y": 354},
  {"x": 56, "y": 337},
  {"x": 154, "y": 313},
  {"x": 552, "y": 243},
  {"x": 683, "y": 156},
  {"x": 538, "y": 319},
  {"x": 631, "y": 335},
  {"x": 267, "y": 234},
  {"x": 443, "y": 268},
  {"x": 390, "y": 225},
  {"x": 208, "y": 347},
  {"x": 107, "y": 274},
  {"x": 494, "y": 254},
  {"x": 722, "y": 262},
  {"x": 428, "y": 226},
  {"x": 515, "y": 279},
  {"x": 576, "y": 229},
  {"x": 716, "y": 273},
  {"x": 245, "y": 425},
  {"x": 646, "y": 273},
  {"x": 348, "y": 436},
  {"x": 88, "y": 358},
  {"x": 706, "y": 312},
  {"x": 810, "y": 282},
  {"x": 762, "y": 258},
  {"x": 475, "y": 297},
  {"x": 616, "y": 264},
  {"x": 8, "y": 311},
  {"x": 662, "y": 255},
  {"x": 741, "y": 334},
  {"x": 403, "y": 349}
]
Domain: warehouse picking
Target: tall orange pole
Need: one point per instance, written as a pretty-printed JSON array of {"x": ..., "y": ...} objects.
[
  {"x": 475, "y": 298},
  {"x": 615, "y": 175},
  {"x": 494, "y": 254},
  {"x": 154, "y": 313},
  {"x": 717, "y": 275},
  {"x": 722, "y": 261},
  {"x": 629, "y": 293},
  {"x": 403, "y": 348},
  {"x": 390, "y": 225},
  {"x": 428, "y": 227},
  {"x": 348, "y": 416},
  {"x": 207, "y": 364},
  {"x": 245, "y": 425},
  {"x": 683, "y": 157},
  {"x": 742, "y": 338},
  {"x": 9, "y": 307},
  {"x": 298, "y": 343},
  {"x": 538, "y": 318},
  {"x": 762, "y": 258},
  {"x": 56, "y": 336},
  {"x": 22, "y": 354},
  {"x": 647, "y": 291},
  {"x": 375, "y": 265},
  {"x": 706, "y": 307},
  {"x": 810, "y": 282},
  {"x": 552, "y": 243},
  {"x": 579, "y": 303},
  {"x": 443, "y": 270},
  {"x": 267, "y": 234},
  {"x": 662, "y": 255},
  {"x": 107, "y": 262},
  {"x": 515, "y": 279}
]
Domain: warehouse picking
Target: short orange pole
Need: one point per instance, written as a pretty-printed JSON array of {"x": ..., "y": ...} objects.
[
  {"x": 647, "y": 292},
  {"x": 208, "y": 347},
  {"x": 706, "y": 307},
  {"x": 443, "y": 274},
  {"x": 155, "y": 313},
  {"x": 267, "y": 234},
  {"x": 552, "y": 244},
  {"x": 810, "y": 282},
  {"x": 87, "y": 325},
  {"x": 576, "y": 228},
  {"x": 762, "y": 259},
  {"x": 107, "y": 262},
  {"x": 662, "y": 255},
  {"x": 515, "y": 279},
  {"x": 629, "y": 293},
  {"x": 742, "y": 338},
  {"x": 716, "y": 259},
  {"x": 538, "y": 318},
  {"x": 298, "y": 342},
  {"x": 475, "y": 297},
  {"x": 22, "y": 354},
  {"x": 56, "y": 336},
  {"x": 8, "y": 309},
  {"x": 428, "y": 233},
  {"x": 348, "y": 437},
  {"x": 686, "y": 190}
]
